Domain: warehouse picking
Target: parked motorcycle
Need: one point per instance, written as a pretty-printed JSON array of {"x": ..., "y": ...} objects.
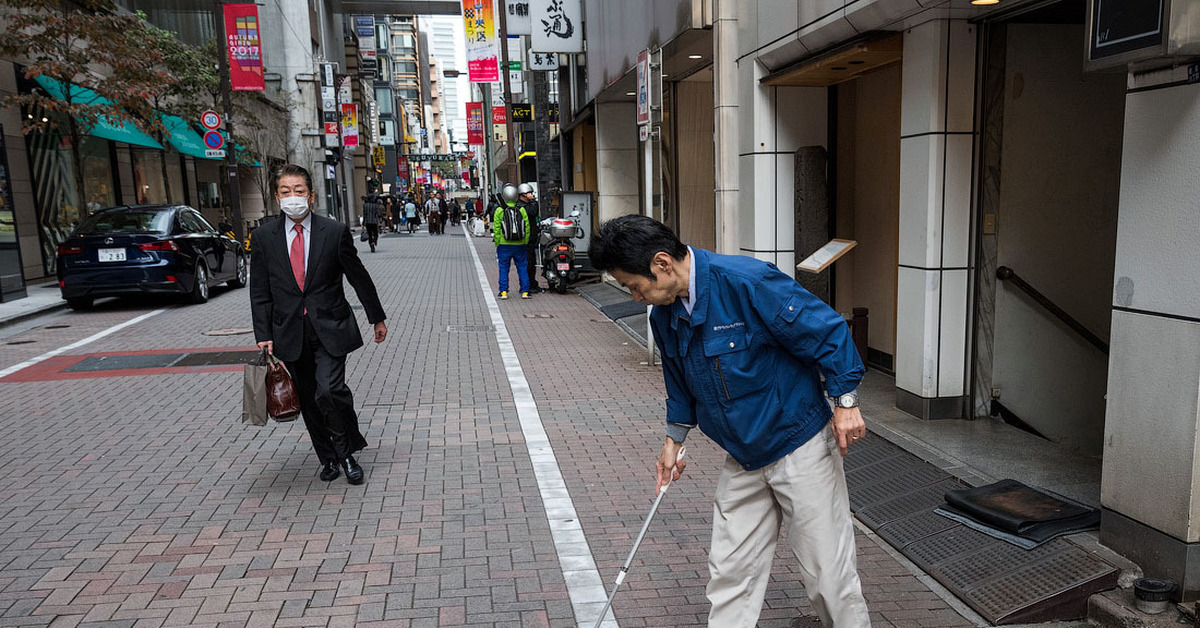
[{"x": 558, "y": 251}]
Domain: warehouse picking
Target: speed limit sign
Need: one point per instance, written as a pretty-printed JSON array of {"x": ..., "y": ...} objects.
[{"x": 210, "y": 119}]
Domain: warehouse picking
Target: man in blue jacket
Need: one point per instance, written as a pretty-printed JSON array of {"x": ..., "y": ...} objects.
[{"x": 744, "y": 347}]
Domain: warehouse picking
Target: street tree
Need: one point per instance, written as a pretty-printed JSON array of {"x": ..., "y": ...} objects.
[{"x": 101, "y": 58}]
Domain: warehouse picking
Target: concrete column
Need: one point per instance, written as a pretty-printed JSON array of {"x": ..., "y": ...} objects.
[
  {"x": 936, "y": 148},
  {"x": 725, "y": 124},
  {"x": 617, "y": 160},
  {"x": 1150, "y": 486}
]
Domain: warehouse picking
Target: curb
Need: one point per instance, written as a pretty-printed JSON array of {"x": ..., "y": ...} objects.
[{"x": 24, "y": 316}]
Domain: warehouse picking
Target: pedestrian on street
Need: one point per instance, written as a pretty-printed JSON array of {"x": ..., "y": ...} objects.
[
  {"x": 510, "y": 232},
  {"x": 744, "y": 347},
  {"x": 411, "y": 217},
  {"x": 371, "y": 211},
  {"x": 302, "y": 317},
  {"x": 443, "y": 212},
  {"x": 531, "y": 249},
  {"x": 397, "y": 210},
  {"x": 431, "y": 214}
]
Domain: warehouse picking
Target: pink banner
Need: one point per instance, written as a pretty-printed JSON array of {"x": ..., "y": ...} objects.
[
  {"x": 483, "y": 45},
  {"x": 242, "y": 44}
]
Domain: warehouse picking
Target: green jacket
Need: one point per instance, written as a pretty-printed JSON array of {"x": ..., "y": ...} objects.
[{"x": 498, "y": 232}]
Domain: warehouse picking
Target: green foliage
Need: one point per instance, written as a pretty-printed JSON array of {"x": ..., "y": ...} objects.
[{"x": 89, "y": 44}]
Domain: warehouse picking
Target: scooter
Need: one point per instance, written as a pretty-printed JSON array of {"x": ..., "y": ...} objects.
[{"x": 558, "y": 251}]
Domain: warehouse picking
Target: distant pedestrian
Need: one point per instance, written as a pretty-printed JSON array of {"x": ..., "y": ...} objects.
[
  {"x": 531, "y": 249},
  {"x": 510, "y": 232},
  {"x": 412, "y": 217},
  {"x": 432, "y": 216},
  {"x": 749, "y": 356},
  {"x": 397, "y": 209},
  {"x": 371, "y": 219}
]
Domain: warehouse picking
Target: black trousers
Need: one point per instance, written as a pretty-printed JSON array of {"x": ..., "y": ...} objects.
[
  {"x": 325, "y": 400},
  {"x": 531, "y": 254},
  {"x": 372, "y": 233}
]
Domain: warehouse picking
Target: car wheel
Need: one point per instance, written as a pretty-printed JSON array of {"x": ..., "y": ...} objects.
[
  {"x": 200, "y": 287},
  {"x": 239, "y": 281},
  {"x": 81, "y": 303}
]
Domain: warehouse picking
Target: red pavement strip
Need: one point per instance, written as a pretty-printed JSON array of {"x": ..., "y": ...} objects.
[{"x": 51, "y": 369}]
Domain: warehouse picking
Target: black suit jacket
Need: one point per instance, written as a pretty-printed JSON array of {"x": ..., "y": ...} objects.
[{"x": 278, "y": 304}]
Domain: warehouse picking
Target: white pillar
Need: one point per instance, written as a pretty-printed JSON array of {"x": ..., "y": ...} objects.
[
  {"x": 617, "y": 161},
  {"x": 725, "y": 127},
  {"x": 1150, "y": 485},
  {"x": 937, "y": 135}
]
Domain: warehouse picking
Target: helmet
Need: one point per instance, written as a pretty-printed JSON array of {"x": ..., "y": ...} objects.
[
  {"x": 509, "y": 194},
  {"x": 524, "y": 188}
]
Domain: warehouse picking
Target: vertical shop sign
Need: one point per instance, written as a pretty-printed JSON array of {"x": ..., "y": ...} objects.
[
  {"x": 350, "y": 125},
  {"x": 557, "y": 25},
  {"x": 242, "y": 42},
  {"x": 364, "y": 28},
  {"x": 517, "y": 19},
  {"x": 483, "y": 47},
  {"x": 475, "y": 123}
]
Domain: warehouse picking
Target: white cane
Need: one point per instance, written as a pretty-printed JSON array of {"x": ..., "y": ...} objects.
[{"x": 637, "y": 543}]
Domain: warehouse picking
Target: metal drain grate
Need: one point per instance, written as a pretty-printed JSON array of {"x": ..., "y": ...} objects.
[
  {"x": 217, "y": 358},
  {"x": 124, "y": 362},
  {"x": 20, "y": 342},
  {"x": 60, "y": 326},
  {"x": 538, "y": 315},
  {"x": 468, "y": 328},
  {"x": 229, "y": 331},
  {"x": 895, "y": 492}
]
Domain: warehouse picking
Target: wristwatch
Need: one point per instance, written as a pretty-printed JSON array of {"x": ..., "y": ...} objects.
[{"x": 847, "y": 400}]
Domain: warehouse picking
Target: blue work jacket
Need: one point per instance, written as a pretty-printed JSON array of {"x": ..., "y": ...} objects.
[{"x": 746, "y": 365}]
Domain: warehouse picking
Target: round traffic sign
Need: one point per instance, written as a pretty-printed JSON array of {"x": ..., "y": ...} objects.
[
  {"x": 210, "y": 119},
  {"x": 470, "y": 154},
  {"x": 213, "y": 140}
]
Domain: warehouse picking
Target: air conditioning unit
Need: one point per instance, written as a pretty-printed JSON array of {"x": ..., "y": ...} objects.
[{"x": 1141, "y": 34}]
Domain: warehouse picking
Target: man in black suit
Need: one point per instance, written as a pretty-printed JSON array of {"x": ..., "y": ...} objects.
[{"x": 302, "y": 317}]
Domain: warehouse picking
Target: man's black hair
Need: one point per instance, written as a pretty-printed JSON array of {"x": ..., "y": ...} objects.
[{"x": 629, "y": 243}]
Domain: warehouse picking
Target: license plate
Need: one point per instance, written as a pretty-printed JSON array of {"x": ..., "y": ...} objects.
[
  {"x": 111, "y": 255},
  {"x": 564, "y": 266}
]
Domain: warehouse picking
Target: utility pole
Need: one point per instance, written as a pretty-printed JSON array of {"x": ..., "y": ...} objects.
[
  {"x": 235, "y": 192},
  {"x": 489, "y": 169},
  {"x": 508, "y": 125}
]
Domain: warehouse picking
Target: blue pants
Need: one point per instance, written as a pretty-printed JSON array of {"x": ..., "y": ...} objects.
[{"x": 506, "y": 253}]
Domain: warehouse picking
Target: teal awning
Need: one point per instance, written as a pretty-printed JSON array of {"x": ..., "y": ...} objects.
[
  {"x": 184, "y": 138},
  {"x": 104, "y": 127}
]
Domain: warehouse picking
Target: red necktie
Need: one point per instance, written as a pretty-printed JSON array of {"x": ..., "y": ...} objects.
[{"x": 298, "y": 256}]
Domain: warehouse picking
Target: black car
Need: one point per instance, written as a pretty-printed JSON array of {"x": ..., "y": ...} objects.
[{"x": 144, "y": 249}]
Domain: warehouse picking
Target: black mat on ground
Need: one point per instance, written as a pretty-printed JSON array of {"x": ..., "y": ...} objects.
[
  {"x": 1018, "y": 513},
  {"x": 896, "y": 494},
  {"x": 621, "y": 310}
]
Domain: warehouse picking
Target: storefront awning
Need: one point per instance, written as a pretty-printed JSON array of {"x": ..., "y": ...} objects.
[
  {"x": 104, "y": 127},
  {"x": 184, "y": 138},
  {"x": 240, "y": 151}
]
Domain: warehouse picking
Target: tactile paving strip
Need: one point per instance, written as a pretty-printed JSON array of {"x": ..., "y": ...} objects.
[{"x": 894, "y": 493}]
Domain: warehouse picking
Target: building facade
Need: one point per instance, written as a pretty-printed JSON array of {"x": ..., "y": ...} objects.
[{"x": 969, "y": 151}]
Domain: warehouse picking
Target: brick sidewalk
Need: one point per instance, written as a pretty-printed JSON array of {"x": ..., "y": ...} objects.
[{"x": 142, "y": 501}]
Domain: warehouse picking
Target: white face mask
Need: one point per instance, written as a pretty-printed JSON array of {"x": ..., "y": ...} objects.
[{"x": 294, "y": 206}]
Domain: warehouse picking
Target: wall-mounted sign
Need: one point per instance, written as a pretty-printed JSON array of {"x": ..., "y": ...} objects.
[
  {"x": 517, "y": 17},
  {"x": 543, "y": 60},
  {"x": 475, "y": 123},
  {"x": 643, "y": 87},
  {"x": 350, "y": 125},
  {"x": 557, "y": 25}
]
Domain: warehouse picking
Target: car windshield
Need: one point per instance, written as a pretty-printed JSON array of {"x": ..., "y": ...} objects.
[{"x": 127, "y": 221}]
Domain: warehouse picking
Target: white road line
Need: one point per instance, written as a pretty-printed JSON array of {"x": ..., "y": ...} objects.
[
  {"x": 75, "y": 345},
  {"x": 574, "y": 555}
]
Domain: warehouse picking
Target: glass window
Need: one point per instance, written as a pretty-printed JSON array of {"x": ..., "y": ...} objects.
[
  {"x": 202, "y": 225},
  {"x": 406, "y": 67},
  {"x": 383, "y": 98},
  {"x": 148, "y": 177},
  {"x": 127, "y": 221}
]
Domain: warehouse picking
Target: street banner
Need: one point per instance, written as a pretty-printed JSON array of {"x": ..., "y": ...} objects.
[
  {"x": 402, "y": 168},
  {"x": 499, "y": 115},
  {"x": 483, "y": 46},
  {"x": 242, "y": 43},
  {"x": 364, "y": 28},
  {"x": 350, "y": 126},
  {"x": 475, "y": 123},
  {"x": 557, "y": 25},
  {"x": 331, "y": 134},
  {"x": 517, "y": 18},
  {"x": 643, "y": 87}
]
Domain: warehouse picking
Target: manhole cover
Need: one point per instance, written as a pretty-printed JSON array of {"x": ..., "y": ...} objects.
[
  {"x": 539, "y": 316},
  {"x": 467, "y": 328},
  {"x": 229, "y": 331},
  {"x": 217, "y": 358},
  {"x": 57, "y": 326},
  {"x": 20, "y": 342}
]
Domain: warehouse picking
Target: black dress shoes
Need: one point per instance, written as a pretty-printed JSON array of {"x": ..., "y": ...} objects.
[
  {"x": 354, "y": 473},
  {"x": 329, "y": 472}
]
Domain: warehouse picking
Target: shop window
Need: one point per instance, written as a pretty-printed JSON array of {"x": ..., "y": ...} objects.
[
  {"x": 149, "y": 186},
  {"x": 56, "y": 193}
]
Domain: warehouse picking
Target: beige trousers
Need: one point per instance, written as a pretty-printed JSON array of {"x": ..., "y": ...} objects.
[{"x": 805, "y": 491}]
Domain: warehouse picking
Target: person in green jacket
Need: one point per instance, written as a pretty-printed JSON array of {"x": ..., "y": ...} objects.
[{"x": 510, "y": 240}]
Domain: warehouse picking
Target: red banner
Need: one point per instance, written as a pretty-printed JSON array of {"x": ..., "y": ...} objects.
[
  {"x": 244, "y": 51},
  {"x": 402, "y": 167},
  {"x": 499, "y": 115},
  {"x": 475, "y": 123}
]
